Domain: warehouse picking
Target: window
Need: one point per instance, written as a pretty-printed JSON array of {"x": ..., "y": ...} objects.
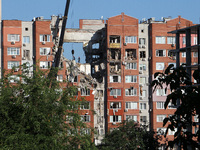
[
  {"x": 26, "y": 39},
  {"x": 44, "y": 38},
  {"x": 115, "y": 78},
  {"x": 160, "y": 40},
  {"x": 13, "y": 78},
  {"x": 131, "y": 105},
  {"x": 142, "y": 54},
  {"x": 143, "y": 93},
  {"x": 130, "y": 54},
  {"x": 171, "y": 54},
  {"x": 196, "y": 119},
  {"x": 76, "y": 79},
  {"x": 131, "y": 92},
  {"x": 45, "y": 64},
  {"x": 171, "y": 40},
  {"x": 195, "y": 40},
  {"x": 85, "y": 91},
  {"x": 160, "y": 118},
  {"x": 13, "y": 51},
  {"x": 26, "y": 54},
  {"x": 85, "y": 118},
  {"x": 195, "y": 54},
  {"x": 60, "y": 78},
  {"x": 143, "y": 118},
  {"x": 131, "y": 117},
  {"x": 160, "y": 105},
  {"x": 161, "y": 131},
  {"x": 142, "y": 41},
  {"x": 115, "y": 118},
  {"x": 85, "y": 131},
  {"x": 160, "y": 92},
  {"x": 183, "y": 54},
  {"x": 45, "y": 51},
  {"x": 159, "y": 66},
  {"x": 130, "y": 39},
  {"x": 115, "y": 92},
  {"x": 13, "y": 37},
  {"x": 184, "y": 40},
  {"x": 131, "y": 79},
  {"x": 115, "y": 105},
  {"x": 85, "y": 105},
  {"x": 160, "y": 53},
  {"x": 143, "y": 106},
  {"x": 142, "y": 67},
  {"x": 12, "y": 64},
  {"x": 142, "y": 80},
  {"x": 131, "y": 66}
]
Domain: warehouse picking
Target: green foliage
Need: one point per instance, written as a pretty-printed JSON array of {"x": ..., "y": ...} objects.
[
  {"x": 185, "y": 97},
  {"x": 33, "y": 114},
  {"x": 129, "y": 136}
]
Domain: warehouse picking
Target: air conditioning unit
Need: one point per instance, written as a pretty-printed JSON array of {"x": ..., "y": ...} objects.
[
  {"x": 43, "y": 42},
  {"x": 143, "y": 46},
  {"x": 114, "y": 123},
  {"x": 173, "y": 45},
  {"x": 125, "y": 44},
  {"x": 13, "y": 42},
  {"x": 115, "y": 96},
  {"x": 23, "y": 58},
  {"x": 24, "y": 44},
  {"x": 13, "y": 56},
  {"x": 125, "y": 110}
]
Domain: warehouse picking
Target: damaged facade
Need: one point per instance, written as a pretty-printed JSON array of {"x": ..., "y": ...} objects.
[{"x": 121, "y": 57}]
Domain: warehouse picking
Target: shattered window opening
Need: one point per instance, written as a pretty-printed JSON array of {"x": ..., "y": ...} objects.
[
  {"x": 115, "y": 68},
  {"x": 115, "y": 78},
  {"x": 85, "y": 92},
  {"x": 131, "y": 54},
  {"x": 115, "y": 105},
  {"x": 142, "y": 54},
  {"x": 115, "y": 54}
]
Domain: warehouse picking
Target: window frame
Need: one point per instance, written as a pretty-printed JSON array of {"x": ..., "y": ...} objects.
[
  {"x": 160, "y": 40},
  {"x": 131, "y": 79},
  {"x": 131, "y": 105},
  {"x": 131, "y": 39},
  {"x": 10, "y": 66},
  {"x": 11, "y": 50}
]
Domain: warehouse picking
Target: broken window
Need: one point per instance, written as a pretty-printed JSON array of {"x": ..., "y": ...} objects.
[
  {"x": 115, "y": 105},
  {"x": 115, "y": 54},
  {"x": 85, "y": 118},
  {"x": 114, "y": 39},
  {"x": 115, "y": 78},
  {"x": 115, "y": 68},
  {"x": 131, "y": 92},
  {"x": 142, "y": 54},
  {"x": 100, "y": 93},
  {"x": 85, "y": 105},
  {"x": 85, "y": 92},
  {"x": 142, "y": 67},
  {"x": 45, "y": 51},
  {"x": 131, "y": 54},
  {"x": 160, "y": 53}
]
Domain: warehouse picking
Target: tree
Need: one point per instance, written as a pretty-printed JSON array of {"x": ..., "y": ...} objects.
[
  {"x": 33, "y": 115},
  {"x": 184, "y": 95},
  {"x": 129, "y": 135}
]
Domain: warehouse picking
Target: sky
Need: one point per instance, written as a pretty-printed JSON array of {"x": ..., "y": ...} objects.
[{"x": 25, "y": 10}]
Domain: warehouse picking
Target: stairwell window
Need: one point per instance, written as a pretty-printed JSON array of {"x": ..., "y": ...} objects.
[
  {"x": 13, "y": 37},
  {"x": 130, "y": 39},
  {"x": 45, "y": 50},
  {"x": 142, "y": 67},
  {"x": 131, "y": 79},
  {"x": 160, "y": 40},
  {"x": 44, "y": 38},
  {"x": 26, "y": 39},
  {"x": 13, "y": 51},
  {"x": 131, "y": 105},
  {"x": 115, "y": 118},
  {"x": 143, "y": 106}
]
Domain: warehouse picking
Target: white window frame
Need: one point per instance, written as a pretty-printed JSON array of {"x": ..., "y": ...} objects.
[
  {"x": 112, "y": 80},
  {"x": 132, "y": 117},
  {"x": 160, "y": 40},
  {"x": 160, "y": 118},
  {"x": 115, "y": 92},
  {"x": 160, "y": 65},
  {"x": 143, "y": 106},
  {"x": 115, "y": 118},
  {"x": 45, "y": 50},
  {"x": 12, "y": 64},
  {"x": 131, "y": 39},
  {"x": 85, "y": 91},
  {"x": 171, "y": 40},
  {"x": 142, "y": 41},
  {"x": 45, "y": 37},
  {"x": 13, "y": 37},
  {"x": 45, "y": 64},
  {"x": 131, "y": 105},
  {"x": 142, "y": 67},
  {"x": 131, "y": 66},
  {"x": 131, "y": 92},
  {"x": 131, "y": 79},
  {"x": 195, "y": 40},
  {"x": 163, "y": 51},
  {"x": 160, "y": 92},
  {"x": 13, "y": 51},
  {"x": 26, "y": 39},
  {"x": 85, "y": 118},
  {"x": 160, "y": 105}
]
